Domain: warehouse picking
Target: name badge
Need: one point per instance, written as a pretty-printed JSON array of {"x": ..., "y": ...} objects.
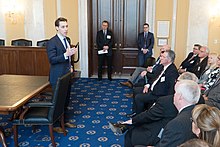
[
  {"x": 162, "y": 79},
  {"x": 108, "y": 37}
]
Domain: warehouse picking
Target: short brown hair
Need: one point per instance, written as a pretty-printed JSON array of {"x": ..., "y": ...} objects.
[{"x": 58, "y": 20}]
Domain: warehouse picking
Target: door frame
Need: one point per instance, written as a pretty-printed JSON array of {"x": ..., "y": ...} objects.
[{"x": 85, "y": 32}]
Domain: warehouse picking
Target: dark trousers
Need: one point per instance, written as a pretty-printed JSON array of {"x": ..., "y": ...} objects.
[
  {"x": 142, "y": 58},
  {"x": 141, "y": 135},
  {"x": 142, "y": 100},
  {"x": 101, "y": 60}
]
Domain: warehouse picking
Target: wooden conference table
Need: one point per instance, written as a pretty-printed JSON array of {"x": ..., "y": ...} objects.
[{"x": 16, "y": 90}]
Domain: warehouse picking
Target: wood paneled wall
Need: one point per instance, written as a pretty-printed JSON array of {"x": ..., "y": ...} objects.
[{"x": 24, "y": 61}]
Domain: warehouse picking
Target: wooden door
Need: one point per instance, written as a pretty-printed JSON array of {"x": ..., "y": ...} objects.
[{"x": 126, "y": 18}]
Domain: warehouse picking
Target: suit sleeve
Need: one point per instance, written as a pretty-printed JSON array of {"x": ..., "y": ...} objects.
[
  {"x": 52, "y": 53},
  {"x": 139, "y": 41},
  {"x": 151, "y": 42},
  {"x": 99, "y": 41},
  {"x": 173, "y": 75}
]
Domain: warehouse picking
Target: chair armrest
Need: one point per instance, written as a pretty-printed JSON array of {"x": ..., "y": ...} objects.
[{"x": 40, "y": 104}]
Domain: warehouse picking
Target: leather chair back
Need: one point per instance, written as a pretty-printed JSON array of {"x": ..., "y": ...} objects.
[
  {"x": 59, "y": 97},
  {"x": 21, "y": 42},
  {"x": 42, "y": 43},
  {"x": 2, "y": 42}
]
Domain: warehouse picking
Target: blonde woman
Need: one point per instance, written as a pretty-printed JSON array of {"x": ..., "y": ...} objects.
[
  {"x": 212, "y": 64},
  {"x": 206, "y": 124}
]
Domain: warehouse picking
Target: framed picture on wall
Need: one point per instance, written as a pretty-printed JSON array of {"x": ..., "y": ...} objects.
[
  {"x": 162, "y": 41},
  {"x": 163, "y": 29}
]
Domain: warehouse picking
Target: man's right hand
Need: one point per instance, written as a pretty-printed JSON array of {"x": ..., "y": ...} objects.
[
  {"x": 149, "y": 68},
  {"x": 70, "y": 51},
  {"x": 145, "y": 90},
  {"x": 143, "y": 73}
]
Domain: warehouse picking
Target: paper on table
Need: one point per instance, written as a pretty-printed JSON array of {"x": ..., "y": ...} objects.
[{"x": 102, "y": 52}]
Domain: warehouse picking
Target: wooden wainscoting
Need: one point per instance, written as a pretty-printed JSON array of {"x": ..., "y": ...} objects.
[{"x": 24, "y": 60}]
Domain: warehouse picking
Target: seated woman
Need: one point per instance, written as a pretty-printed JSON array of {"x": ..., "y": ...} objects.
[
  {"x": 206, "y": 124},
  {"x": 212, "y": 63},
  {"x": 212, "y": 76}
]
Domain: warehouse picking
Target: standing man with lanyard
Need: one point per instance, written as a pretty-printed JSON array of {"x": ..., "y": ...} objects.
[
  {"x": 104, "y": 41},
  {"x": 145, "y": 45},
  {"x": 59, "y": 55}
]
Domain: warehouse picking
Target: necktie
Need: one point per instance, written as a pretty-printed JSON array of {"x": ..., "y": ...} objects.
[
  {"x": 145, "y": 40},
  {"x": 66, "y": 48},
  {"x": 104, "y": 34},
  {"x": 65, "y": 43}
]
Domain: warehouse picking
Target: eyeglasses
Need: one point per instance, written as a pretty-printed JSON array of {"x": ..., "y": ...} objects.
[
  {"x": 195, "y": 48},
  {"x": 191, "y": 119},
  {"x": 162, "y": 52}
]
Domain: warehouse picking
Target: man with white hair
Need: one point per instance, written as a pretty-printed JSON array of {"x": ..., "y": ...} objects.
[
  {"x": 179, "y": 130},
  {"x": 201, "y": 62}
]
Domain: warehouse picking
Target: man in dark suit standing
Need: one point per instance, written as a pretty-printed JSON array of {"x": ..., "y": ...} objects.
[
  {"x": 145, "y": 45},
  {"x": 59, "y": 55},
  {"x": 104, "y": 41}
]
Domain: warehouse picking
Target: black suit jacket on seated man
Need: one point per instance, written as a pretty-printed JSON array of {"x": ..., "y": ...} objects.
[
  {"x": 163, "y": 87},
  {"x": 178, "y": 130},
  {"x": 148, "y": 124}
]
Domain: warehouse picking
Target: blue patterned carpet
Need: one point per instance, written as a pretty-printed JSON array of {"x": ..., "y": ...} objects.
[{"x": 93, "y": 104}]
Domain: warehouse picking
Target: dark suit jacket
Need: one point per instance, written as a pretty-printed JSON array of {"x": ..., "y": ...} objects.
[
  {"x": 199, "y": 67},
  {"x": 101, "y": 41},
  {"x": 59, "y": 66},
  {"x": 213, "y": 95},
  {"x": 178, "y": 130},
  {"x": 156, "y": 118},
  {"x": 189, "y": 63},
  {"x": 149, "y": 42},
  {"x": 165, "y": 85}
]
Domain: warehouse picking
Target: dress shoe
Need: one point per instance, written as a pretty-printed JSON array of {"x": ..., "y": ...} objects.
[
  {"x": 58, "y": 130},
  {"x": 110, "y": 79},
  {"x": 118, "y": 128},
  {"x": 128, "y": 84},
  {"x": 129, "y": 95},
  {"x": 69, "y": 125},
  {"x": 131, "y": 115}
]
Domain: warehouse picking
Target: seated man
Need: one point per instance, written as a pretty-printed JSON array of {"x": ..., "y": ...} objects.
[
  {"x": 201, "y": 63},
  {"x": 162, "y": 85},
  {"x": 136, "y": 76},
  {"x": 179, "y": 129},
  {"x": 190, "y": 60},
  {"x": 144, "y": 128}
]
